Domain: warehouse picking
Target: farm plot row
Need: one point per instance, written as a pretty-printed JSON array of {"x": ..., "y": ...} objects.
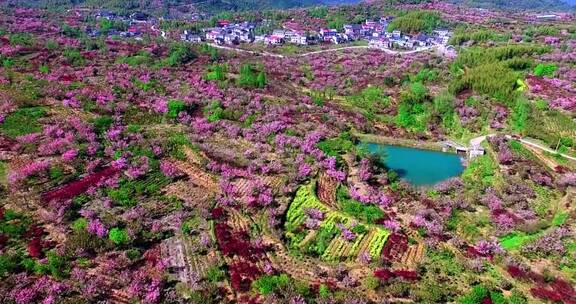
[{"x": 328, "y": 243}]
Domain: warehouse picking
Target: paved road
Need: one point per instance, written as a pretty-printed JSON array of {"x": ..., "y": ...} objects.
[
  {"x": 476, "y": 142},
  {"x": 237, "y": 50},
  {"x": 318, "y": 52},
  {"x": 543, "y": 148}
]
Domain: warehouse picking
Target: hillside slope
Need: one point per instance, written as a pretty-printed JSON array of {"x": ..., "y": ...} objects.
[
  {"x": 207, "y": 5},
  {"x": 519, "y": 4}
]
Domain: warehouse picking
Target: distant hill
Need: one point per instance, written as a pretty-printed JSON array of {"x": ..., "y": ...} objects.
[
  {"x": 155, "y": 6},
  {"x": 519, "y": 4},
  {"x": 241, "y": 5},
  {"x": 215, "y": 6}
]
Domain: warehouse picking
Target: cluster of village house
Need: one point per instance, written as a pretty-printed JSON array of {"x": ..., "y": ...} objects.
[
  {"x": 225, "y": 32},
  {"x": 373, "y": 31},
  {"x": 137, "y": 24}
]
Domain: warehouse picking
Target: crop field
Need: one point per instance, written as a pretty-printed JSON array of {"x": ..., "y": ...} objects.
[{"x": 370, "y": 241}]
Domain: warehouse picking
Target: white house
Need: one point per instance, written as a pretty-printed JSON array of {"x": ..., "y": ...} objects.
[
  {"x": 212, "y": 34},
  {"x": 231, "y": 39},
  {"x": 442, "y": 32},
  {"x": 190, "y": 37},
  {"x": 274, "y": 40},
  {"x": 300, "y": 39}
]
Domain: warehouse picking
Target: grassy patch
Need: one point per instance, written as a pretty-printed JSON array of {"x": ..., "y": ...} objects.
[
  {"x": 367, "y": 213},
  {"x": 560, "y": 218},
  {"x": 515, "y": 240},
  {"x": 338, "y": 145},
  {"x": 481, "y": 172},
  {"x": 550, "y": 126},
  {"x": 23, "y": 121}
]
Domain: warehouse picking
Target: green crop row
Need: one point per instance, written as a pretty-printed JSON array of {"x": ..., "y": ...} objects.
[
  {"x": 356, "y": 246},
  {"x": 304, "y": 199},
  {"x": 377, "y": 242},
  {"x": 331, "y": 249}
]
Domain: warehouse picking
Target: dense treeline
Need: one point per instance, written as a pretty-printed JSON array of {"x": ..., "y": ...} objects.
[
  {"x": 416, "y": 21},
  {"x": 491, "y": 79},
  {"x": 463, "y": 35},
  {"x": 476, "y": 56},
  {"x": 493, "y": 71}
]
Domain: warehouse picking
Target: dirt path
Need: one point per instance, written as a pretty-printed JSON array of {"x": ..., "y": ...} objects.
[
  {"x": 535, "y": 145},
  {"x": 392, "y": 52}
]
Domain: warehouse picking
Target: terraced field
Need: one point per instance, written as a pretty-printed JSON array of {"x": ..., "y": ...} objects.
[{"x": 370, "y": 241}]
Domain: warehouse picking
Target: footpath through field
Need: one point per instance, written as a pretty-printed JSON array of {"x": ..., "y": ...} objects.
[{"x": 318, "y": 52}]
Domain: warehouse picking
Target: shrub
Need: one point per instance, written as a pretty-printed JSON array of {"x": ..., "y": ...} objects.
[
  {"x": 118, "y": 236},
  {"x": 369, "y": 99},
  {"x": 212, "y": 51},
  {"x": 180, "y": 53},
  {"x": 370, "y": 283},
  {"x": 412, "y": 111},
  {"x": 133, "y": 254},
  {"x": 269, "y": 283},
  {"x": 338, "y": 145},
  {"x": 323, "y": 238},
  {"x": 217, "y": 73},
  {"x": 497, "y": 298},
  {"x": 24, "y": 39},
  {"x": 318, "y": 12},
  {"x": 517, "y": 298},
  {"x": 547, "y": 70},
  {"x": 8, "y": 264},
  {"x": 324, "y": 291},
  {"x": 214, "y": 112},
  {"x": 476, "y": 56},
  {"x": 367, "y": 213},
  {"x": 80, "y": 224},
  {"x": 215, "y": 274},
  {"x": 107, "y": 25},
  {"x": 73, "y": 57},
  {"x": 142, "y": 58},
  {"x": 71, "y": 32},
  {"x": 57, "y": 266},
  {"x": 476, "y": 295},
  {"x": 250, "y": 76},
  {"x": 543, "y": 30},
  {"x": 175, "y": 107}
]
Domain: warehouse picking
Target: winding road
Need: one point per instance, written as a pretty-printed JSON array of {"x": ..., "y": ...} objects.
[
  {"x": 543, "y": 148},
  {"x": 318, "y": 52},
  {"x": 475, "y": 142}
]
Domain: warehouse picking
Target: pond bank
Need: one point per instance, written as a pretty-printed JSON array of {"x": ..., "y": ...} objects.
[{"x": 384, "y": 140}]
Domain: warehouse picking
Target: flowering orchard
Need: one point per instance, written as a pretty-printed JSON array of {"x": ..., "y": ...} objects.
[{"x": 154, "y": 171}]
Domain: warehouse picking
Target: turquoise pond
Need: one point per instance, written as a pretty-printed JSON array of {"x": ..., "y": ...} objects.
[{"x": 416, "y": 166}]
